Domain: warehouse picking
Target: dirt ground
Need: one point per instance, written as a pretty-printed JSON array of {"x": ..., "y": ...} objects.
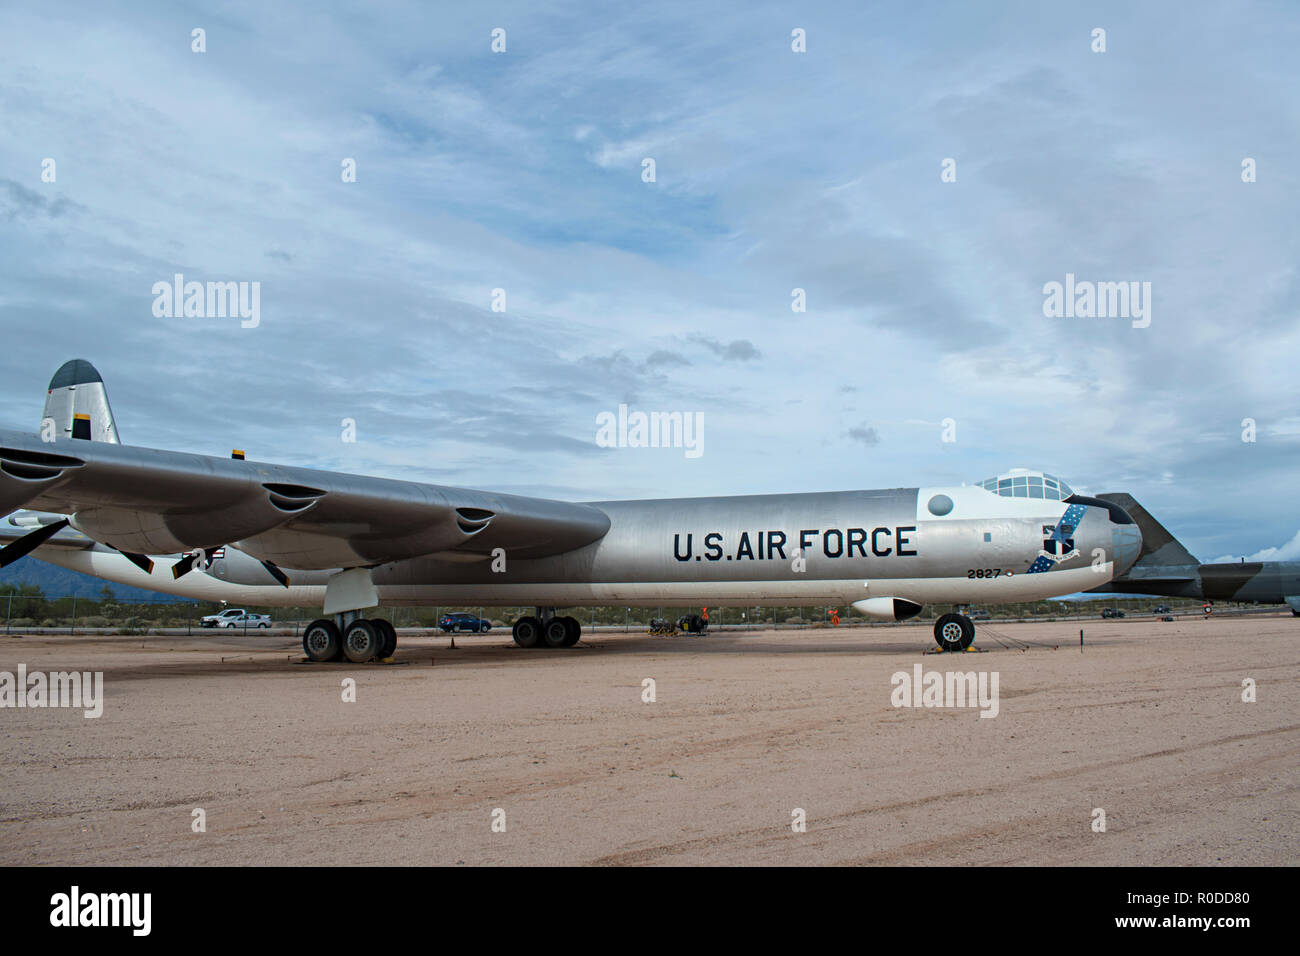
[{"x": 1147, "y": 724}]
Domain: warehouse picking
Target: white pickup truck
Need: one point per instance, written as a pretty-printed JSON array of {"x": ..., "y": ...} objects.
[{"x": 236, "y": 617}]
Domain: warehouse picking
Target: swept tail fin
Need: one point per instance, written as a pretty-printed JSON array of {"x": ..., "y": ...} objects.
[
  {"x": 1159, "y": 547},
  {"x": 76, "y": 405}
]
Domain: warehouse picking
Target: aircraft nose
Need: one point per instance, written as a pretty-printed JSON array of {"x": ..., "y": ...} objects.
[
  {"x": 1125, "y": 536},
  {"x": 1126, "y": 546}
]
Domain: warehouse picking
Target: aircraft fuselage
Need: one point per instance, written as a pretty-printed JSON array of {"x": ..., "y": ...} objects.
[{"x": 821, "y": 548}]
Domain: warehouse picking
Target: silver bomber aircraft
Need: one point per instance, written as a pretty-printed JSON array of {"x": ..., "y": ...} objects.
[{"x": 278, "y": 535}]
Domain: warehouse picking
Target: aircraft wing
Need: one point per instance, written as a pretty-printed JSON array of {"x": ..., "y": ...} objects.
[{"x": 159, "y": 502}]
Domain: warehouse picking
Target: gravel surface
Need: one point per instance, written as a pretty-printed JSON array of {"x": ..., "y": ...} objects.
[{"x": 1147, "y": 724}]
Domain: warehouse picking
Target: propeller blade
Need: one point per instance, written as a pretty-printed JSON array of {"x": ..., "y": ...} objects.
[
  {"x": 141, "y": 561},
  {"x": 201, "y": 558},
  {"x": 30, "y": 542},
  {"x": 276, "y": 573},
  {"x": 184, "y": 565}
]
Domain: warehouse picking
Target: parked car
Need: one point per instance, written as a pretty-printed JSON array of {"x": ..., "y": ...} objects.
[
  {"x": 1161, "y": 609},
  {"x": 979, "y": 614},
  {"x": 1111, "y": 612},
  {"x": 236, "y": 617},
  {"x": 464, "y": 622}
]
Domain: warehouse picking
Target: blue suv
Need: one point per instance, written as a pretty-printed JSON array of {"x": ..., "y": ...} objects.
[{"x": 464, "y": 622}]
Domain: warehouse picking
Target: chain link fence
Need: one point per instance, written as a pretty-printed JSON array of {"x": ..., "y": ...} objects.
[{"x": 26, "y": 609}]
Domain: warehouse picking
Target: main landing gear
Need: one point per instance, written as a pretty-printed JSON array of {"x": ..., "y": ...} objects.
[
  {"x": 358, "y": 640},
  {"x": 546, "y": 630},
  {"x": 343, "y": 634},
  {"x": 954, "y": 632}
]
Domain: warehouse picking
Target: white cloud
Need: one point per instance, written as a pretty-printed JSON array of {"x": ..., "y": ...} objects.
[{"x": 1287, "y": 552}]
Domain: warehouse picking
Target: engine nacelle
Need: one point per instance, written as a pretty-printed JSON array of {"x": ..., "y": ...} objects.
[
  {"x": 25, "y": 475},
  {"x": 235, "y": 567},
  {"x": 887, "y": 608},
  {"x": 213, "y": 525}
]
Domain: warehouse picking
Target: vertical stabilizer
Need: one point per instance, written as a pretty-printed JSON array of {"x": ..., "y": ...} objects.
[
  {"x": 1159, "y": 547},
  {"x": 76, "y": 405}
]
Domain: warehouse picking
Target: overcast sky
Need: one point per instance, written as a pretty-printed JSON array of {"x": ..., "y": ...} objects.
[{"x": 774, "y": 170}]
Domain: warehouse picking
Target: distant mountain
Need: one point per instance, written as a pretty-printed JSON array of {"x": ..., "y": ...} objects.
[{"x": 57, "y": 582}]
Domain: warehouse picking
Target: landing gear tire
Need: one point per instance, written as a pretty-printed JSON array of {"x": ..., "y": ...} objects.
[
  {"x": 527, "y": 632},
  {"x": 389, "y": 643},
  {"x": 362, "y": 641},
  {"x": 574, "y": 629},
  {"x": 321, "y": 640},
  {"x": 954, "y": 632},
  {"x": 556, "y": 633}
]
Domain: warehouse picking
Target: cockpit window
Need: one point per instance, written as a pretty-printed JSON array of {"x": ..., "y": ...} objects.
[{"x": 1019, "y": 483}]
